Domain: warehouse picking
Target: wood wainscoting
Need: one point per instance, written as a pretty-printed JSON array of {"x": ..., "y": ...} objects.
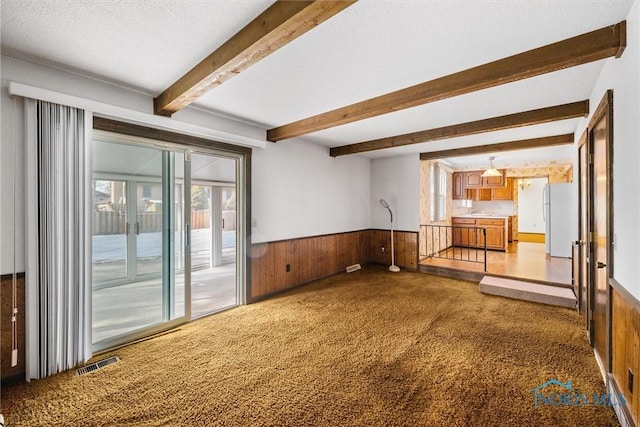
[
  {"x": 308, "y": 258},
  {"x": 6, "y": 307},
  {"x": 405, "y": 243},
  {"x": 285, "y": 264},
  {"x": 625, "y": 347}
]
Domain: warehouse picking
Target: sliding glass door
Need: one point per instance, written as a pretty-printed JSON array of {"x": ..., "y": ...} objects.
[
  {"x": 213, "y": 233},
  {"x": 135, "y": 260},
  {"x": 165, "y": 227}
]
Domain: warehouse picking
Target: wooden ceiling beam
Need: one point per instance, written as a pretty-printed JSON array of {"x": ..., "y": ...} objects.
[
  {"x": 599, "y": 44},
  {"x": 525, "y": 118},
  {"x": 522, "y": 144},
  {"x": 280, "y": 24}
]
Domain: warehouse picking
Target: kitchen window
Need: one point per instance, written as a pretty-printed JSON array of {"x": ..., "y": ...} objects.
[{"x": 438, "y": 209}]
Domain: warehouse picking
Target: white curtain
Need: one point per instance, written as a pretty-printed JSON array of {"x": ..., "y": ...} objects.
[{"x": 58, "y": 272}]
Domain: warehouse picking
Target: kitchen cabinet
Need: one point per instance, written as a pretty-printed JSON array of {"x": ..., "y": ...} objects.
[
  {"x": 495, "y": 232},
  {"x": 458, "y": 186},
  {"x": 472, "y": 185},
  {"x": 473, "y": 179},
  {"x": 478, "y": 194},
  {"x": 493, "y": 181},
  {"x": 464, "y": 232},
  {"x": 467, "y": 232},
  {"x": 504, "y": 192}
]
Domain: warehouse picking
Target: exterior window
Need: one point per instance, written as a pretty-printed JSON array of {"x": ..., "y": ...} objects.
[{"x": 438, "y": 188}]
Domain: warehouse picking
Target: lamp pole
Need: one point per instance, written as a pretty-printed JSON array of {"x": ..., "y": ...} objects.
[{"x": 393, "y": 267}]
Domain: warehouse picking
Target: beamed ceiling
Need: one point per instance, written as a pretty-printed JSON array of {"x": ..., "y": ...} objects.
[{"x": 373, "y": 78}]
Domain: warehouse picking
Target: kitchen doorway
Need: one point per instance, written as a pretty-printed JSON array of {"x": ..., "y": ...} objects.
[{"x": 531, "y": 221}]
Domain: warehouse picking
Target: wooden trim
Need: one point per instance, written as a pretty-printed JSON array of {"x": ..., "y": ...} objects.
[
  {"x": 614, "y": 388},
  {"x": 281, "y": 23},
  {"x": 531, "y": 237},
  {"x": 10, "y": 276},
  {"x": 595, "y": 45},
  {"x": 503, "y": 146},
  {"x": 604, "y": 106},
  {"x": 525, "y": 118},
  {"x": 583, "y": 138},
  {"x": 394, "y": 230},
  {"x": 635, "y": 302},
  {"x": 293, "y": 239},
  {"x": 604, "y": 110},
  {"x": 109, "y": 125}
]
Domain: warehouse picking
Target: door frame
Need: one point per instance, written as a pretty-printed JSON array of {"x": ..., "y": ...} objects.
[
  {"x": 604, "y": 110},
  {"x": 583, "y": 261}
]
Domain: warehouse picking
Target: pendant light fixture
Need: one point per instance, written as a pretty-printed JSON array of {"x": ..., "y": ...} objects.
[{"x": 492, "y": 171}]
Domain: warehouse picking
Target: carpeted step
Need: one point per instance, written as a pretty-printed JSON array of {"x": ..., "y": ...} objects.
[{"x": 528, "y": 291}]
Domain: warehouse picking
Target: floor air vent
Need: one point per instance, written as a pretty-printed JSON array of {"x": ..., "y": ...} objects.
[
  {"x": 354, "y": 267},
  {"x": 97, "y": 365}
]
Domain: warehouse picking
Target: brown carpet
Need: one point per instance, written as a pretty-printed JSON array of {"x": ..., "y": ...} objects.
[{"x": 369, "y": 348}]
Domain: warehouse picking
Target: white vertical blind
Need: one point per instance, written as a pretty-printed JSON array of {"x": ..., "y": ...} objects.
[{"x": 58, "y": 238}]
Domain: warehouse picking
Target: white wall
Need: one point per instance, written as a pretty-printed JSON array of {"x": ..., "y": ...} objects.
[
  {"x": 530, "y": 219},
  {"x": 299, "y": 190},
  {"x": 12, "y": 146},
  {"x": 397, "y": 180},
  {"x": 623, "y": 76}
]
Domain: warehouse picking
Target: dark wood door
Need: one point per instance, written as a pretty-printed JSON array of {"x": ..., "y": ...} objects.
[{"x": 600, "y": 257}]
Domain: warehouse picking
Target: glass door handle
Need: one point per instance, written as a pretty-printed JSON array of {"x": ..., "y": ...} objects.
[{"x": 187, "y": 235}]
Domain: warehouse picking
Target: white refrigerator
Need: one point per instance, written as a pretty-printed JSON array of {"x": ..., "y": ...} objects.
[{"x": 559, "y": 209}]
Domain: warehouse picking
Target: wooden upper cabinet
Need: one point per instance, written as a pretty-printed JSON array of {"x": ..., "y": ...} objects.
[
  {"x": 458, "y": 186},
  {"x": 473, "y": 179},
  {"x": 494, "y": 181},
  {"x": 503, "y": 193},
  {"x": 478, "y": 194}
]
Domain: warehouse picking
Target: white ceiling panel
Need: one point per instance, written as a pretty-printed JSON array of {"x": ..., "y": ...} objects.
[{"x": 371, "y": 48}]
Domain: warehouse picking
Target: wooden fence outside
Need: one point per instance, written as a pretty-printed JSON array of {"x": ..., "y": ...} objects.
[{"x": 107, "y": 223}]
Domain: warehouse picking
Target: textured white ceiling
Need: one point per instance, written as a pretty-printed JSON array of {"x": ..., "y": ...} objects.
[{"x": 371, "y": 48}]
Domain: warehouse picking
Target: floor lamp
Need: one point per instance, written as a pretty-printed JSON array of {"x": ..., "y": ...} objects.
[{"x": 393, "y": 267}]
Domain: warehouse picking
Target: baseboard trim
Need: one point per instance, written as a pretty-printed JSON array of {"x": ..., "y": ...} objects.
[
  {"x": 622, "y": 411},
  {"x": 531, "y": 237}
]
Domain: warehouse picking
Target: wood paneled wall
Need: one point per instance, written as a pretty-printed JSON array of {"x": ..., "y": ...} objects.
[
  {"x": 406, "y": 247},
  {"x": 6, "y": 307},
  {"x": 311, "y": 258},
  {"x": 625, "y": 347},
  {"x": 308, "y": 258}
]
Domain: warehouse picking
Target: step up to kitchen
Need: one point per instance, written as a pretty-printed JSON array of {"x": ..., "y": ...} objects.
[{"x": 528, "y": 291}]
